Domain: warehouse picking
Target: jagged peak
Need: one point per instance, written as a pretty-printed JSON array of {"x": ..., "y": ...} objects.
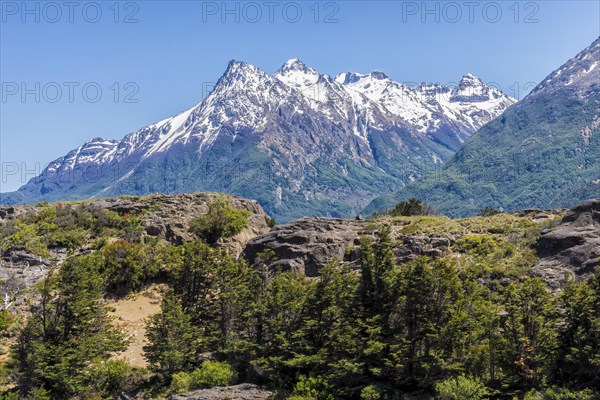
[
  {"x": 236, "y": 67},
  {"x": 296, "y": 74},
  {"x": 295, "y": 66},
  {"x": 240, "y": 74},
  {"x": 293, "y": 63},
  {"x": 379, "y": 75},
  {"x": 99, "y": 140},
  {"x": 470, "y": 80},
  {"x": 576, "y": 73},
  {"x": 346, "y": 78}
]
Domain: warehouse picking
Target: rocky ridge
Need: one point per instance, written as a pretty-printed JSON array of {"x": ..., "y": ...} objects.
[
  {"x": 298, "y": 141},
  {"x": 305, "y": 245},
  {"x": 573, "y": 247},
  {"x": 570, "y": 246},
  {"x": 244, "y": 391},
  {"x": 163, "y": 216}
]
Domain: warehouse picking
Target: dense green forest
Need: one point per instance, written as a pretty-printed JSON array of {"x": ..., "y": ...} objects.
[{"x": 473, "y": 326}]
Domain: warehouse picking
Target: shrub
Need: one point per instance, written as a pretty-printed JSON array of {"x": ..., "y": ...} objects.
[
  {"x": 480, "y": 245},
  {"x": 370, "y": 393},
  {"x": 211, "y": 374},
  {"x": 65, "y": 238},
  {"x": 558, "y": 393},
  {"x": 39, "y": 394},
  {"x": 181, "y": 382},
  {"x": 221, "y": 221},
  {"x": 461, "y": 388},
  {"x": 26, "y": 237},
  {"x": 270, "y": 221},
  {"x": 106, "y": 219},
  {"x": 111, "y": 377},
  {"x": 488, "y": 212},
  {"x": 127, "y": 266},
  {"x": 296, "y": 397},
  {"x": 412, "y": 207},
  {"x": 5, "y": 321},
  {"x": 311, "y": 388}
]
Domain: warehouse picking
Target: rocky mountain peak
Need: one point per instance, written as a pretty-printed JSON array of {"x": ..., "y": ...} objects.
[
  {"x": 295, "y": 64},
  {"x": 472, "y": 89},
  {"x": 297, "y": 75},
  {"x": 346, "y": 78},
  {"x": 100, "y": 140},
  {"x": 470, "y": 79},
  {"x": 241, "y": 76},
  {"x": 288, "y": 128},
  {"x": 379, "y": 75},
  {"x": 580, "y": 74}
]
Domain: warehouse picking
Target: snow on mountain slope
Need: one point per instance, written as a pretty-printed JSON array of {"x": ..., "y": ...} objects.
[
  {"x": 332, "y": 99},
  {"x": 428, "y": 107},
  {"x": 94, "y": 151},
  {"x": 396, "y": 98},
  {"x": 362, "y": 101},
  {"x": 242, "y": 98},
  {"x": 327, "y": 144},
  {"x": 580, "y": 74},
  {"x": 543, "y": 152},
  {"x": 473, "y": 103},
  {"x": 200, "y": 124}
]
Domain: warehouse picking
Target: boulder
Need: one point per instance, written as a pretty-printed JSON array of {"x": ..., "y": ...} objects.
[
  {"x": 244, "y": 391},
  {"x": 168, "y": 215},
  {"x": 572, "y": 247},
  {"x": 305, "y": 245}
]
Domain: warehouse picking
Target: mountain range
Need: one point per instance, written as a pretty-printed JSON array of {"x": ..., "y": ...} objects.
[
  {"x": 300, "y": 142},
  {"x": 543, "y": 152}
]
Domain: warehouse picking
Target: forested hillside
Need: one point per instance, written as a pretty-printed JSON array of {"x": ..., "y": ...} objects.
[{"x": 463, "y": 315}]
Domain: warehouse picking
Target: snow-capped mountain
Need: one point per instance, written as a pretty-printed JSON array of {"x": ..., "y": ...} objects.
[
  {"x": 448, "y": 115},
  {"x": 542, "y": 153},
  {"x": 299, "y": 141}
]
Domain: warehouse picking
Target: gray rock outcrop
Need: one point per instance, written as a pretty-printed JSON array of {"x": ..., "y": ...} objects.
[
  {"x": 244, "y": 391},
  {"x": 573, "y": 247},
  {"x": 164, "y": 216},
  {"x": 168, "y": 216},
  {"x": 306, "y": 245}
]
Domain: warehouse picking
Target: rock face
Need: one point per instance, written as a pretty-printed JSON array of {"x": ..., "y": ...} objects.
[
  {"x": 168, "y": 216},
  {"x": 307, "y": 244},
  {"x": 244, "y": 391},
  {"x": 164, "y": 216},
  {"x": 573, "y": 247}
]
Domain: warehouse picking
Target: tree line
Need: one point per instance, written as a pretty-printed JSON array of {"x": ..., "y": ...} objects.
[{"x": 382, "y": 332}]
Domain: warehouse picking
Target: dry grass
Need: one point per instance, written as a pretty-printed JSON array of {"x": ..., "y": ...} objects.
[{"x": 131, "y": 314}]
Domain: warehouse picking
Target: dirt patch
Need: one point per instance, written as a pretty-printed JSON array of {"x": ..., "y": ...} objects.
[{"x": 131, "y": 314}]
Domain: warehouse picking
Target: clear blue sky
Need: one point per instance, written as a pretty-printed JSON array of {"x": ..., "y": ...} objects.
[{"x": 177, "y": 49}]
